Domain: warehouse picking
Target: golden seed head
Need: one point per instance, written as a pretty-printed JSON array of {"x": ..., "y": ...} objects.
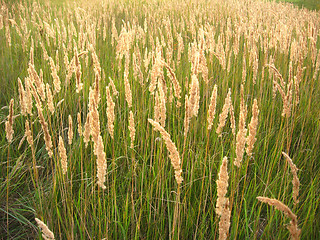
[
  {"x": 79, "y": 124},
  {"x": 251, "y": 139},
  {"x": 22, "y": 98},
  {"x": 222, "y": 186},
  {"x": 295, "y": 179},
  {"x": 9, "y": 123},
  {"x": 132, "y": 129},
  {"x": 110, "y": 112},
  {"x": 293, "y": 227},
  {"x": 173, "y": 152},
  {"x": 224, "y": 114},
  {"x": 212, "y": 107},
  {"x": 70, "y": 131},
  {"x": 28, "y": 133},
  {"x": 46, "y": 233},
  {"x": 63, "y": 156}
]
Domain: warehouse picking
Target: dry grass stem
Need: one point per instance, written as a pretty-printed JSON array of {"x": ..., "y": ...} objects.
[
  {"x": 212, "y": 107},
  {"x": 35, "y": 95},
  {"x": 94, "y": 124},
  {"x": 114, "y": 89},
  {"x": 79, "y": 123},
  {"x": 251, "y": 139},
  {"x": 295, "y": 180},
  {"x": 92, "y": 127},
  {"x": 186, "y": 116},
  {"x": 241, "y": 137},
  {"x": 127, "y": 87},
  {"x": 34, "y": 77},
  {"x": 63, "y": 156},
  {"x": 244, "y": 70},
  {"x": 70, "y": 131},
  {"x": 32, "y": 53},
  {"x": 22, "y": 98},
  {"x": 194, "y": 97},
  {"x": 44, "y": 126},
  {"x": 224, "y": 114},
  {"x": 222, "y": 186},
  {"x": 232, "y": 120},
  {"x": 173, "y": 152},
  {"x": 157, "y": 113},
  {"x": 285, "y": 95},
  {"x": 175, "y": 83},
  {"x": 77, "y": 69},
  {"x": 97, "y": 88},
  {"x": 137, "y": 73},
  {"x": 277, "y": 74},
  {"x": 9, "y": 123},
  {"x": 28, "y": 133},
  {"x": 56, "y": 79},
  {"x": 293, "y": 227},
  {"x": 110, "y": 112},
  {"x": 86, "y": 133},
  {"x": 96, "y": 63},
  {"x": 162, "y": 105},
  {"x": 132, "y": 129},
  {"x": 317, "y": 68},
  {"x": 156, "y": 70},
  {"x": 28, "y": 96},
  {"x": 70, "y": 71}
]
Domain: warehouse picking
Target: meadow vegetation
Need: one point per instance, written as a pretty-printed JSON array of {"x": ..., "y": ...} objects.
[
  {"x": 309, "y": 4},
  {"x": 159, "y": 120}
]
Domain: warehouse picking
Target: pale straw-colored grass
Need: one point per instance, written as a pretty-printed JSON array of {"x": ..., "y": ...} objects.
[
  {"x": 47, "y": 234},
  {"x": 70, "y": 130},
  {"x": 295, "y": 179},
  {"x": 63, "y": 156},
  {"x": 173, "y": 152},
  {"x": 293, "y": 227},
  {"x": 224, "y": 114},
  {"x": 212, "y": 107},
  {"x": 9, "y": 123},
  {"x": 251, "y": 139}
]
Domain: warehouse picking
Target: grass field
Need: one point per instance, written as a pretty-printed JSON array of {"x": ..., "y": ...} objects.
[
  {"x": 159, "y": 120},
  {"x": 310, "y": 4}
]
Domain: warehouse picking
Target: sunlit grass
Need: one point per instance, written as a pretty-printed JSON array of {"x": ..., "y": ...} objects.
[
  {"x": 309, "y": 4},
  {"x": 142, "y": 193}
]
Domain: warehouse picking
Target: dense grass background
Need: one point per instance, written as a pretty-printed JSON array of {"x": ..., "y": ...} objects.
[
  {"x": 141, "y": 190},
  {"x": 310, "y": 4}
]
